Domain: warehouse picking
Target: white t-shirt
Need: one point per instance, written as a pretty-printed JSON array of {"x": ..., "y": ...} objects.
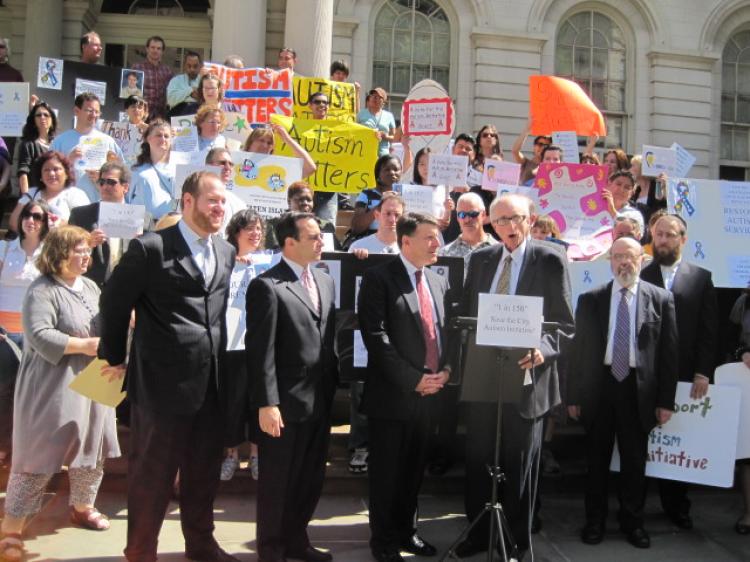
[
  {"x": 374, "y": 245},
  {"x": 18, "y": 271},
  {"x": 62, "y": 203}
]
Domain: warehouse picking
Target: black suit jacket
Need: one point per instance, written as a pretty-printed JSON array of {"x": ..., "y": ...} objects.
[
  {"x": 697, "y": 317},
  {"x": 180, "y": 328},
  {"x": 86, "y": 217},
  {"x": 655, "y": 349},
  {"x": 544, "y": 273},
  {"x": 391, "y": 325},
  {"x": 291, "y": 361}
]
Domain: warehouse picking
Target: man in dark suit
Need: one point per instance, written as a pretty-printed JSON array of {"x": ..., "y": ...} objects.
[
  {"x": 517, "y": 266},
  {"x": 113, "y": 184},
  {"x": 623, "y": 378},
  {"x": 292, "y": 370},
  {"x": 697, "y": 326},
  {"x": 177, "y": 281},
  {"x": 402, "y": 318}
]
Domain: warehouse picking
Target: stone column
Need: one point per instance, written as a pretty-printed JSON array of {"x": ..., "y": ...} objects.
[
  {"x": 239, "y": 28},
  {"x": 309, "y": 31},
  {"x": 43, "y": 35}
]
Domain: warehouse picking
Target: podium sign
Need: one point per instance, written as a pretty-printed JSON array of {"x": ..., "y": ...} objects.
[{"x": 509, "y": 321}]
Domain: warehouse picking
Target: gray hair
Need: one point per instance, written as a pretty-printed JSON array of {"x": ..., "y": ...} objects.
[
  {"x": 516, "y": 198},
  {"x": 472, "y": 198}
]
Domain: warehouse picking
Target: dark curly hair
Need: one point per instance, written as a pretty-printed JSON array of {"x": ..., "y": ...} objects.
[
  {"x": 31, "y": 131},
  {"x": 60, "y": 157},
  {"x": 240, "y": 220}
]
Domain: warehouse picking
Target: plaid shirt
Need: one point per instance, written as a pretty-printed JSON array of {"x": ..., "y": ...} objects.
[
  {"x": 155, "y": 82},
  {"x": 460, "y": 249}
]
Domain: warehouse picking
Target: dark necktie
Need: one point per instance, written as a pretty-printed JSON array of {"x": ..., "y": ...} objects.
[
  {"x": 431, "y": 358},
  {"x": 503, "y": 283},
  {"x": 621, "y": 343}
]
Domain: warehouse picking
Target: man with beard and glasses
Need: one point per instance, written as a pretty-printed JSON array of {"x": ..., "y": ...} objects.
[
  {"x": 697, "y": 326},
  {"x": 177, "y": 281},
  {"x": 623, "y": 378}
]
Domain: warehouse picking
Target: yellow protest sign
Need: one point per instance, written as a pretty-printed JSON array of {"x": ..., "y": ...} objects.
[
  {"x": 345, "y": 153},
  {"x": 341, "y": 95}
]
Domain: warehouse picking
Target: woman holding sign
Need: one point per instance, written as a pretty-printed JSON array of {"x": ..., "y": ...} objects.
[
  {"x": 55, "y": 426},
  {"x": 245, "y": 232},
  {"x": 55, "y": 188},
  {"x": 262, "y": 141},
  {"x": 488, "y": 146},
  {"x": 442, "y": 206},
  {"x": 153, "y": 175},
  {"x": 210, "y": 122},
  {"x": 210, "y": 90},
  {"x": 36, "y": 137}
]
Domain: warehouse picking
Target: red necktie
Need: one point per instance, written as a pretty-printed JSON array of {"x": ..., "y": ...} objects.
[
  {"x": 309, "y": 283},
  {"x": 432, "y": 357}
]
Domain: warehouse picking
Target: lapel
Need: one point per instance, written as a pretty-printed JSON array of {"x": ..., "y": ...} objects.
[
  {"x": 605, "y": 299},
  {"x": 643, "y": 307},
  {"x": 682, "y": 276},
  {"x": 221, "y": 257},
  {"x": 181, "y": 253},
  {"x": 401, "y": 277},
  {"x": 526, "y": 275},
  {"x": 325, "y": 296},
  {"x": 294, "y": 284},
  {"x": 491, "y": 264},
  {"x": 654, "y": 275}
]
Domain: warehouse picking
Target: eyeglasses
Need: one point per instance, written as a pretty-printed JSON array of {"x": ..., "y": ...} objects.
[
  {"x": 542, "y": 144},
  {"x": 38, "y": 217},
  {"x": 42, "y": 116},
  {"x": 213, "y": 122},
  {"x": 319, "y": 102},
  {"x": 82, "y": 253},
  {"x": 489, "y": 135},
  {"x": 468, "y": 214},
  {"x": 108, "y": 181},
  {"x": 505, "y": 221},
  {"x": 92, "y": 111}
]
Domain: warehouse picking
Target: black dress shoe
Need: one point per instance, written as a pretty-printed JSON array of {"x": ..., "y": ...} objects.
[
  {"x": 417, "y": 545},
  {"x": 387, "y": 556},
  {"x": 218, "y": 555},
  {"x": 740, "y": 528},
  {"x": 593, "y": 533},
  {"x": 311, "y": 554},
  {"x": 469, "y": 548},
  {"x": 682, "y": 520},
  {"x": 639, "y": 538}
]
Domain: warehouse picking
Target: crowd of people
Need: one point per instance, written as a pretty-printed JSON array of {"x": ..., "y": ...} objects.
[{"x": 154, "y": 309}]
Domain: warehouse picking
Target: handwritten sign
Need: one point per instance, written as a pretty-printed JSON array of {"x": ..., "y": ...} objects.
[
  {"x": 557, "y": 104},
  {"x": 121, "y": 220},
  {"x": 447, "y": 169},
  {"x": 509, "y": 320},
  {"x": 14, "y": 107},
  {"x": 92, "y": 86},
  {"x": 50, "y": 73},
  {"x": 258, "y": 92},
  {"x": 718, "y": 217},
  {"x": 345, "y": 153},
  {"x": 568, "y": 141},
  {"x": 571, "y": 194},
  {"x": 657, "y": 160},
  {"x": 684, "y": 160},
  {"x": 128, "y": 137},
  {"x": 497, "y": 172},
  {"x": 342, "y": 98},
  {"x": 94, "y": 152},
  {"x": 428, "y": 116},
  {"x": 185, "y": 139},
  {"x": 698, "y": 443},
  {"x": 418, "y": 198},
  {"x": 261, "y": 180},
  {"x": 421, "y": 91},
  {"x": 737, "y": 376},
  {"x": 239, "y": 281}
]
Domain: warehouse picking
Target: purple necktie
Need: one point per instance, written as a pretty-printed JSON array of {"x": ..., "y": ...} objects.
[{"x": 621, "y": 343}]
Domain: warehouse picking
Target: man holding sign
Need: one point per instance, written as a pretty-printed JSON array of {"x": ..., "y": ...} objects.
[
  {"x": 623, "y": 381},
  {"x": 518, "y": 266}
]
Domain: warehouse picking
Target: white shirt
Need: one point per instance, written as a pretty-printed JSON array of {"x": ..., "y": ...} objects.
[
  {"x": 517, "y": 256},
  {"x": 375, "y": 245},
  {"x": 614, "y": 303},
  {"x": 17, "y": 271},
  {"x": 668, "y": 273},
  {"x": 205, "y": 266},
  {"x": 62, "y": 203},
  {"x": 410, "y": 271}
]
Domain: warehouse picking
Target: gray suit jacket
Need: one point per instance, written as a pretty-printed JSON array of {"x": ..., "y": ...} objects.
[{"x": 544, "y": 273}]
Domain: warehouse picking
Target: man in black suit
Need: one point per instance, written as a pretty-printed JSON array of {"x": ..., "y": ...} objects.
[
  {"x": 402, "y": 318},
  {"x": 292, "y": 370},
  {"x": 113, "y": 184},
  {"x": 177, "y": 281},
  {"x": 697, "y": 326},
  {"x": 623, "y": 378},
  {"x": 517, "y": 266}
]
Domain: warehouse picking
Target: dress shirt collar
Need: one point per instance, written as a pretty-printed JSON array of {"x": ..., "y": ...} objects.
[
  {"x": 190, "y": 235},
  {"x": 411, "y": 269},
  {"x": 296, "y": 268},
  {"x": 633, "y": 289},
  {"x": 517, "y": 254}
]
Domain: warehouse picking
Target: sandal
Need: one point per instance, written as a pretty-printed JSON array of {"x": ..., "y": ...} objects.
[
  {"x": 11, "y": 547},
  {"x": 90, "y": 518}
]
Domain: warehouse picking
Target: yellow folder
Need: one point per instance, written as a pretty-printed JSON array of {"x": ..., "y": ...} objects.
[{"x": 91, "y": 384}]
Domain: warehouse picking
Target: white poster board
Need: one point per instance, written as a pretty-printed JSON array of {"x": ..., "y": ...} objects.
[
  {"x": 737, "y": 376},
  {"x": 447, "y": 169},
  {"x": 587, "y": 275},
  {"x": 698, "y": 443},
  {"x": 497, "y": 173},
  {"x": 121, "y": 220},
  {"x": 92, "y": 86},
  {"x": 685, "y": 160},
  {"x": 185, "y": 139},
  {"x": 128, "y": 137},
  {"x": 49, "y": 73},
  {"x": 509, "y": 320},
  {"x": 658, "y": 159},
  {"x": 718, "y": 217},
  {"x": 14, "y": 107},
  {"x": 261, "y": 180},
  {"x": 568, "y": 141}
]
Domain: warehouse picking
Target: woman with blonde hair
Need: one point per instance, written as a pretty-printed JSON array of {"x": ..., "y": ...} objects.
[
  {"x": 210, "y": 122},
  {"x": 263, "y": 141}
]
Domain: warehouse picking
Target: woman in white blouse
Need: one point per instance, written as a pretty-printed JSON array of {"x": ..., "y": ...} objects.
[{"x": 153, "y": 175}]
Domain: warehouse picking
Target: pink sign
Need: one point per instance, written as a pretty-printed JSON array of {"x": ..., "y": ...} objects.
[
  {"x": 571, "y": 194},
  {"x": 428, "y": 116}
]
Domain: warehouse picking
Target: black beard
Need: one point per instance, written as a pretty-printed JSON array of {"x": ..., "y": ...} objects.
[{"x": 666, "y": 257}]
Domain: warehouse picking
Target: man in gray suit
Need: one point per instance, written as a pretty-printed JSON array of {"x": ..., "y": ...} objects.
[
  {"x": 623, "y": 381},
  {"x": 177, "y": 281},
  {"x": 518, "y": 266}
]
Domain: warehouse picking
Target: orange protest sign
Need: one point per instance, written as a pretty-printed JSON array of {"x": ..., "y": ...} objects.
[{"x": 558, "y": 104}]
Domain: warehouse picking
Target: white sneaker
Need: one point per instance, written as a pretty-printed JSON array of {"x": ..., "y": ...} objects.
[
  {"x": 358, "y": 462},
  {"x": 228, "y": 467}
]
